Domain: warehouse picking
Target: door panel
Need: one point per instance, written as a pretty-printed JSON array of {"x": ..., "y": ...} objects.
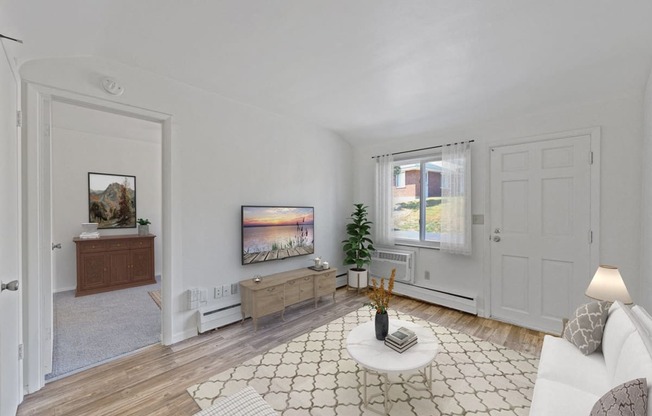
[
  {"x": 515, "y": 283},
  {"x": 11, "y": 373},
  {"x": 540, "y": 249},
  {"x": 119, "y": 267}
]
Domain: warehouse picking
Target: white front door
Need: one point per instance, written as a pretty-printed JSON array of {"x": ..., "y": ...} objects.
[
  {"x": 10, "y": 364},
  {"x": 540, "y": 230}
]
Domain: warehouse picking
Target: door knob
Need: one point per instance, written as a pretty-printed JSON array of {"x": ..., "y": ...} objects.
[
  {"x": 13, "y": 286},
  {"x": 496, "y": 238},
  {"x": 57, "y": 245}
]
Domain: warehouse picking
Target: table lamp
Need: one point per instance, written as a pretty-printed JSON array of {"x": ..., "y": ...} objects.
[{"x": 607, "y": 284}]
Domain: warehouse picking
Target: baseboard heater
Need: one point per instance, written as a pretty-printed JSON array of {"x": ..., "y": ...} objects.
[
  {"x": 212, "y": 317},
  {"x": 439, "y": 297}
]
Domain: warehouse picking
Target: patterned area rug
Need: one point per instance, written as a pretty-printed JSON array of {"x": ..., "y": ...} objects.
[{"x": 314, "y": 375}]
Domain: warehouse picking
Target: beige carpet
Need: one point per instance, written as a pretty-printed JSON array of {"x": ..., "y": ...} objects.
[
  {"x": 314, "y": 375},
  {"x": 156, "y": 297}
]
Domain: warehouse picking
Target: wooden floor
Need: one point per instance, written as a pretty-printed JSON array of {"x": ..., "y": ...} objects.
[{"x": 154, "y": 380}]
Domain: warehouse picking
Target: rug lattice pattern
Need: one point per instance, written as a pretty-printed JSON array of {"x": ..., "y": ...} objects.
[{"x": 314, "y": 375}]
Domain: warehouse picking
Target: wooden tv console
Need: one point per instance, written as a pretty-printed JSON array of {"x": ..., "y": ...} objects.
[
  {"x": 114, "y": 262},
  {"x": 277, "y": 291}
]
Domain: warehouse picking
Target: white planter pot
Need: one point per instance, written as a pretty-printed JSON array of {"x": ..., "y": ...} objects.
[
  {"x": 143, "y": 229},
  {"x": 358, "y": 279}
]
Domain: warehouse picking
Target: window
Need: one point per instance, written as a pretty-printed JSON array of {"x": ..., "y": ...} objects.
[
  {"x": 426, "y": 200},
  {"x": 399, "y": 178},
  {"x": 416, "y": 200}
]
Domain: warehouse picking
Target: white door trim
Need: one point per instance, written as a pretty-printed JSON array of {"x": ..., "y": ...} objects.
[
  {"x": 595, "y": 137},
  {"x": 37, "y": 225},
  {"x": 15, "y": 270}
]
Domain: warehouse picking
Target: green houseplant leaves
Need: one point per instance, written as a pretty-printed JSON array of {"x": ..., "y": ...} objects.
[{"x": 358, "y": 247}]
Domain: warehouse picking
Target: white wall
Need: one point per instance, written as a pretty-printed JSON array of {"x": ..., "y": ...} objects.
[
  {"x": 645, "y": 295},
  {"x": 620, "y": 121},
  {"x": 223, "y": 154},
  {"x": 87, "y": 140}
]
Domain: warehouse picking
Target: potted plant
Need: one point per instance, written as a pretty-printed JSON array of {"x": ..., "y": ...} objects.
[
  {"x": 143, "y": 226},
  {"x": 379, "y": 300},
  {"x": 358, "y": 247}
]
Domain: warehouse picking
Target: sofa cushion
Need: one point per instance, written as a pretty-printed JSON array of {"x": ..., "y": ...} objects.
[
  {"x": 586, "y": 326},
  {"x": 560, "y": 361},
  {"x": 246, "y": 402},
  {"x": 635, "y": 354},
  {"x": 627, "y": 399},
  {"x": 633, "y": 362},
  {"x": 553, "y": 398},
  {"x": 618, "y": 328},
  {"x": 644, "y": 319}
]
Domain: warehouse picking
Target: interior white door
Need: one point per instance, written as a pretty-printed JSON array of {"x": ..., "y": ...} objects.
[
  {"x": 540, "y": 223},
  {"x": 10, "y": 364}
]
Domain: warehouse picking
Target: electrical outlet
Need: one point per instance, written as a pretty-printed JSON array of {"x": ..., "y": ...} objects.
[
  {"x": 427, "y": 275},
  {"x": 217, "y": 292},
  {"x": 226, "y": 290},
  {"x": 193, "y": 296}
]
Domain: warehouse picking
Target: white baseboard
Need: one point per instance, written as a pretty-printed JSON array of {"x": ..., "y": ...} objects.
[
  {"x": 65, "y": 289},
  {"x": 182, "y": 336},
  {"x": 341, "y": 280},
  {"x": 440, "y": 298}
]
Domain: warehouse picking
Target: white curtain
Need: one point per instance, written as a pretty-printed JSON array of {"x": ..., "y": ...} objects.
[
  {"x": 383, "y": 221},
  {"x": 456, "y": 199}
]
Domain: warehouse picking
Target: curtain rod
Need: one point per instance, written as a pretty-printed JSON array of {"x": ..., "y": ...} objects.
[
  {"x": 7, "y": 37},
  {"x": 425, "y": 148}
]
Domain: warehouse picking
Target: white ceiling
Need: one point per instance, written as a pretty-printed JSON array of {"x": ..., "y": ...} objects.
[{"x": 367, "y": 69}]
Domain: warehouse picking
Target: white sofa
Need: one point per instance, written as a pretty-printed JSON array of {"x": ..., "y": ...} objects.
[{"x": 570, "y": 383}]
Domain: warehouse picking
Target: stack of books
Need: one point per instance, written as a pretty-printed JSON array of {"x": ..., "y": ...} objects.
[
  {"x": 89, "y": 230},
  {"x": 401, "y": 340}
]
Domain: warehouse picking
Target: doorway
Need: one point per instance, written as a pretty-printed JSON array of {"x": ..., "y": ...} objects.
[
  {"x": 543, "y": 228},
  {"x": 85, "y": 140},
  {"x": 37, "y": 207}
]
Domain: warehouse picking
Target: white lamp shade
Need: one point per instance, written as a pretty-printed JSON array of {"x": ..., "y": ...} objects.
[{"x": 607, "y": 284}]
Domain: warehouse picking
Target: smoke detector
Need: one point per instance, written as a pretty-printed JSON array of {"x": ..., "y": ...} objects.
[{"x": 112, "y": 87}]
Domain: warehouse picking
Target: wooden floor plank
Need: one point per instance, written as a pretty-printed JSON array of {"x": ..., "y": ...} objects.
[{"x": 153, "y": 380}]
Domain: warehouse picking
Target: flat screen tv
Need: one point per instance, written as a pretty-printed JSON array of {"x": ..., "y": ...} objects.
[{"x": 276, "y": 233}]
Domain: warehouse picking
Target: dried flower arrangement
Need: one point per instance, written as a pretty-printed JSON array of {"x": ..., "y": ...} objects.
[{"x": 380, "y": 297}]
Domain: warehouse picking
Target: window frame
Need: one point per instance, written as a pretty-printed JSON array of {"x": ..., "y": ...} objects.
[{"x": 422, "y": 161}]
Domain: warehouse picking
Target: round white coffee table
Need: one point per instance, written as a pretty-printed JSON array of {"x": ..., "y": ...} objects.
[{"x": 373, "y": 355}]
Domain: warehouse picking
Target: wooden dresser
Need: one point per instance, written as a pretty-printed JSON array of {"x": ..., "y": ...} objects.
[
  {"x": 279, "y": 290},
  {"x": 114, "y": 262}
]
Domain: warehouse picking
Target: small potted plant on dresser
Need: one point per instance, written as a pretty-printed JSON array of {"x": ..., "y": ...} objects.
[
  {"x": 358, "y": 247},
  {"x": 143, "y": 226}
]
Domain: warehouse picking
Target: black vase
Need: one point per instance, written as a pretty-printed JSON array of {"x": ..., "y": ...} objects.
[{"x": 382, "y": 326}]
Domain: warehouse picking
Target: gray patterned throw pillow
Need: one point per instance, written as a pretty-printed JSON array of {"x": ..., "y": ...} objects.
[
  {"x": 585, "y": 329},
  {"x": 628, "y": 399}
]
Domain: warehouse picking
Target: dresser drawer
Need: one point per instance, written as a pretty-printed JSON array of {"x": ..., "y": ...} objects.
[
  {"x": 92, "y": 247},
  {"x": 141, "y": 243},
  {"x": 117, "y": 245}
]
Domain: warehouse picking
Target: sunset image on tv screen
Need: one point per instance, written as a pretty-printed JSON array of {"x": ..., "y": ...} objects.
[{"x": 275, "y": 233}]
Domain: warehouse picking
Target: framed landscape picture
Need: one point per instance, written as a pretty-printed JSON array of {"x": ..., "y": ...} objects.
[{"x": 112, "y": 200}]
